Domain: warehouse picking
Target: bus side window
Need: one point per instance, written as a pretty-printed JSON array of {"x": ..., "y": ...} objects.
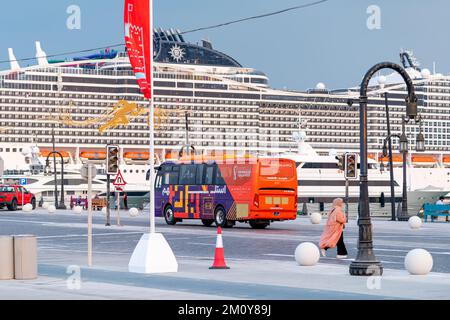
[
  {"x": 199, "y": 177},
  {"x": 209, "y": 175},
  {"x": 187, "y": 174},
  {"x": 173, "y": 177},
  {"x": 158, "y": 181},
  {"x": 219, "y": 179}
]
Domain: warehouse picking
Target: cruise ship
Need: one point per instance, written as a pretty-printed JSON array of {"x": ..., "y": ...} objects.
[{"x": 231, "y": 108}]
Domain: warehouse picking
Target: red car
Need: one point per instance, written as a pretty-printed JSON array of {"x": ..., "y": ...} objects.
[{"x": 13, "y": 196}]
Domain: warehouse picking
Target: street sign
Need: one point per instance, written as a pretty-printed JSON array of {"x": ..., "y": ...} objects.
[
  {"x": 85, "y": 171},
  {"x": 119, "y": 181},
  {"x": 23, "y": 181}
]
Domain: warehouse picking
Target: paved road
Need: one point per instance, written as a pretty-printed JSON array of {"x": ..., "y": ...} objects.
[{"x": 66, "y": 232}]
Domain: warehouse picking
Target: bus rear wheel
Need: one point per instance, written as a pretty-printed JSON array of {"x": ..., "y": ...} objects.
[
  {"x": 259, "y": 224},
  {"x": 207, "y": 222},
  {"x": 169, "y": 216},
  {"x": 220, "y": 218}
]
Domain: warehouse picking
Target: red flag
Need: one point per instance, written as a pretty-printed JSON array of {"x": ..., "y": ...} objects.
[{"x": 139, "y": 42}]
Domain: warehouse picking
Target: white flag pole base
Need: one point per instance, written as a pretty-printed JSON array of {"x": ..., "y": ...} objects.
[{"x": 153, "y": 255}]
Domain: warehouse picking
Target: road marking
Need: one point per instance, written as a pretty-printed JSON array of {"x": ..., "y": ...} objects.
[
  {"x": 85, "y": 251},
  {"x": 201, "y": 244},
  {"x": 399, "y": 250},
  {"x": 278, "y": 255},
  {"x": 85, "y": 235}
]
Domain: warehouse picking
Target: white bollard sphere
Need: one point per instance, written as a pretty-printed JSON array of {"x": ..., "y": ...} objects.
[
  {"x": 307, "y": 254},
  {"x": 316, "y": 218},
  {"x": 418, "y": 262},
  {"x": 104, "y": 210},
  {"x": 51, "y": 208},
  {"x": 133, "y": 212},
  {"x": 415, "y": 222},
  {"x": 27, "y": 208},
  {"x": 45, "y": 205},
  {"x": 78, "y": 209}
]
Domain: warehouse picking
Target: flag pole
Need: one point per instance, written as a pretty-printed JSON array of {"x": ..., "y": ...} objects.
[
  {"x": 153, "y": 253},
  {"x": 152, "y": 129}
]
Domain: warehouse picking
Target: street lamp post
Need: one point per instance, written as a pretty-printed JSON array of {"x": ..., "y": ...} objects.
[
  {"x": 61, "y": 205},
  {"x": 391, "y": 167},
  {"x": 366, "y": 263},
  {"x": 404, "y": 148},
  {"x": 403, "y": 216},
  {"x": 54, "y": 166}
]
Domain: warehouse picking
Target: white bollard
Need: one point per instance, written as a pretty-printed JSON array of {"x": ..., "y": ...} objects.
[
  {"x": 307, "y": 254},
  {"x": 45, "y": 205},
  {"x": 133, "y": 212},
  {"x": 78, "y": 210},
  {"x": 27, "y": 208},
  {"x": 316, "y": 218},
  {"x": 51, "y": 208},
  {"x": 418, "y": 262},
  {"x": 415, "y": 222}
]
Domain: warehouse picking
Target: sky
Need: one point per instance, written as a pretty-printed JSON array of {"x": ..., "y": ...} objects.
[{"x": 330, "y": 43}]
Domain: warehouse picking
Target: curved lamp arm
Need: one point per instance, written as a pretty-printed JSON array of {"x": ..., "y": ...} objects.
[{"x": 411, "y": 99}]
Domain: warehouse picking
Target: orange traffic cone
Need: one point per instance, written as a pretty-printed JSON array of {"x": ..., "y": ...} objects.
[{"x": 219, "y": 257}]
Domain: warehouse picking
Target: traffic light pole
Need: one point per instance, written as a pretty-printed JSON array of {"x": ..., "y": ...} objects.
[
  {"x": 346, "y": 198},
  {"x": 108, "y": 197}
]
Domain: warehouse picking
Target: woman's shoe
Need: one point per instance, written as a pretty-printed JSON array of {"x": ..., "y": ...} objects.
[
  {"x": 323, "y": 252},
  {"x": 341, "y": 257}
]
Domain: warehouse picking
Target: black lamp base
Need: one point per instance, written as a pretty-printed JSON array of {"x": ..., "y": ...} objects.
[{"x": 358, "y": 268}]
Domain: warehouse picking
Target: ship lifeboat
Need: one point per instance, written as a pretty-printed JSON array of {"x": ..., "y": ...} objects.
[
  {"x": 66, "y": 155},
  {"x": 446, "y": 161},
  {"x": 93, "y": 155},
  {"x": 397, "y": 160},
  {"x": 136, "y": 157},
  {"x": 423, "y": 160}
]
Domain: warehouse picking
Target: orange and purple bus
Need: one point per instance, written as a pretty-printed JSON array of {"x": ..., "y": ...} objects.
[{"x": 225, "y": 190}]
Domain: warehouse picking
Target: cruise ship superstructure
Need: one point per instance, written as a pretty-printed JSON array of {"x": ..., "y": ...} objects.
[{"x": 230, "y": 108}]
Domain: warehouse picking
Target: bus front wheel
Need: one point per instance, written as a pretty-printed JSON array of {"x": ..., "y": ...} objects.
[
  {"x": 221, "y": 218},
  {"x": 169, "y": 216},
  {"x": 259, "y": 225}
]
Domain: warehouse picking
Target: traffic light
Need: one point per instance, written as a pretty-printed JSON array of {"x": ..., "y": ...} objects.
[
  {"x": 350, "y": 166},
  {"x": 112, "y": 160},
  {"x": 340, "y": 160}
]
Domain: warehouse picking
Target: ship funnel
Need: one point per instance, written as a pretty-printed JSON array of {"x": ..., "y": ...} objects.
[
  {"x": 41, "y": 56},
  {"x": 13, "y": 61}
]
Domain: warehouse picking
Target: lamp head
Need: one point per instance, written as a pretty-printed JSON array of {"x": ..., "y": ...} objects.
[
  {"x": 403, "y": 145},
  {"x": 411, "y": 106},
  {"x": 420, "y": 143}
]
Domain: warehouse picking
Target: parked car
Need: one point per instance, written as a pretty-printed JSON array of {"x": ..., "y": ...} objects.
[{"x": 12, "y": 196}]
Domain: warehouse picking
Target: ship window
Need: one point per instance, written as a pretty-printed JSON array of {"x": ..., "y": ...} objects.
[{"x": 317, "y": 165}]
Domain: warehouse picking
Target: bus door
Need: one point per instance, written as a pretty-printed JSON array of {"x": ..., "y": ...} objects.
[
  {"x": 159, "y": 196},
  {"x": 207, "y": 199}
]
